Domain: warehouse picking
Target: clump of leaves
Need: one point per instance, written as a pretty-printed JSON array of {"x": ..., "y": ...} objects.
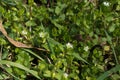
[{"x": 68, "y": 39}]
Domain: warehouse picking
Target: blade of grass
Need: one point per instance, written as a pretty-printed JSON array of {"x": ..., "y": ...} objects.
[
  {"x": 33, "y": 54},
  {"x": 49, "y": 45},
  {"x": 34, "y": 73},
  {"x": 107, "y": 73},
  {"x": 76, "y": 55},
  {"x": 16, "y": 78},
  {"x": 111, "y": 44}
]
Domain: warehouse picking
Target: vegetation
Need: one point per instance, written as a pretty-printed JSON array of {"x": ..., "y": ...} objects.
[{"x": 59, "y": 39}]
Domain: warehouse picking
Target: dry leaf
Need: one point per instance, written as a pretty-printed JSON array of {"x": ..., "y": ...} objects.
[
  {"x": 2, "y": 29},
  {"x": 16, "y": 43}
]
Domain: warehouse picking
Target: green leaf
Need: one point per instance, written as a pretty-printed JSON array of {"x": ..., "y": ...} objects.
[
  {"x": 57, "y": 10},
  {"x": 2, "y": 41},
  {"x": 52, "y": 43},
  {"x": 108, "y": 37},
  {"x": 24, "y": 58},
  {"x": 30, "y": 23},
  {"x": 76, "y": 55},
  {"x": 112, "y": 28},
  {"x": 47, "y": 73},
  {"x": 5, "y": 54}
]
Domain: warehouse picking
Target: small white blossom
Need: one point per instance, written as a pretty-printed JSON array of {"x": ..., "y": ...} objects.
[
  {"x": 69, "y": 45},
  {"x": 106, "y": 3},
  {"x": 42, "y": 34},
  {"x": 24, "y": 32},
  {"x": 86, "y": 48},
  {"x": 65, "y": 75}
]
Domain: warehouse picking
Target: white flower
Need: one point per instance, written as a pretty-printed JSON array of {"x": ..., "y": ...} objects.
[
  {"x": 106, "y": 3},
  {"x": 65, "y": 75},
  {"x": 69, "y": 45},
  {"x": 86, "y": 48},
  {"x": 24, "y": 32},
  {"x": 42, "y": 34}
]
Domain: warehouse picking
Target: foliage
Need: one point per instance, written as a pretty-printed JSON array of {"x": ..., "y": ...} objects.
[{"x": 81, "y": 39}]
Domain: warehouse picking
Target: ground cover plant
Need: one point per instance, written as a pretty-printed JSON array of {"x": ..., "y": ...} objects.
[{"x": 59, "y": 40}]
